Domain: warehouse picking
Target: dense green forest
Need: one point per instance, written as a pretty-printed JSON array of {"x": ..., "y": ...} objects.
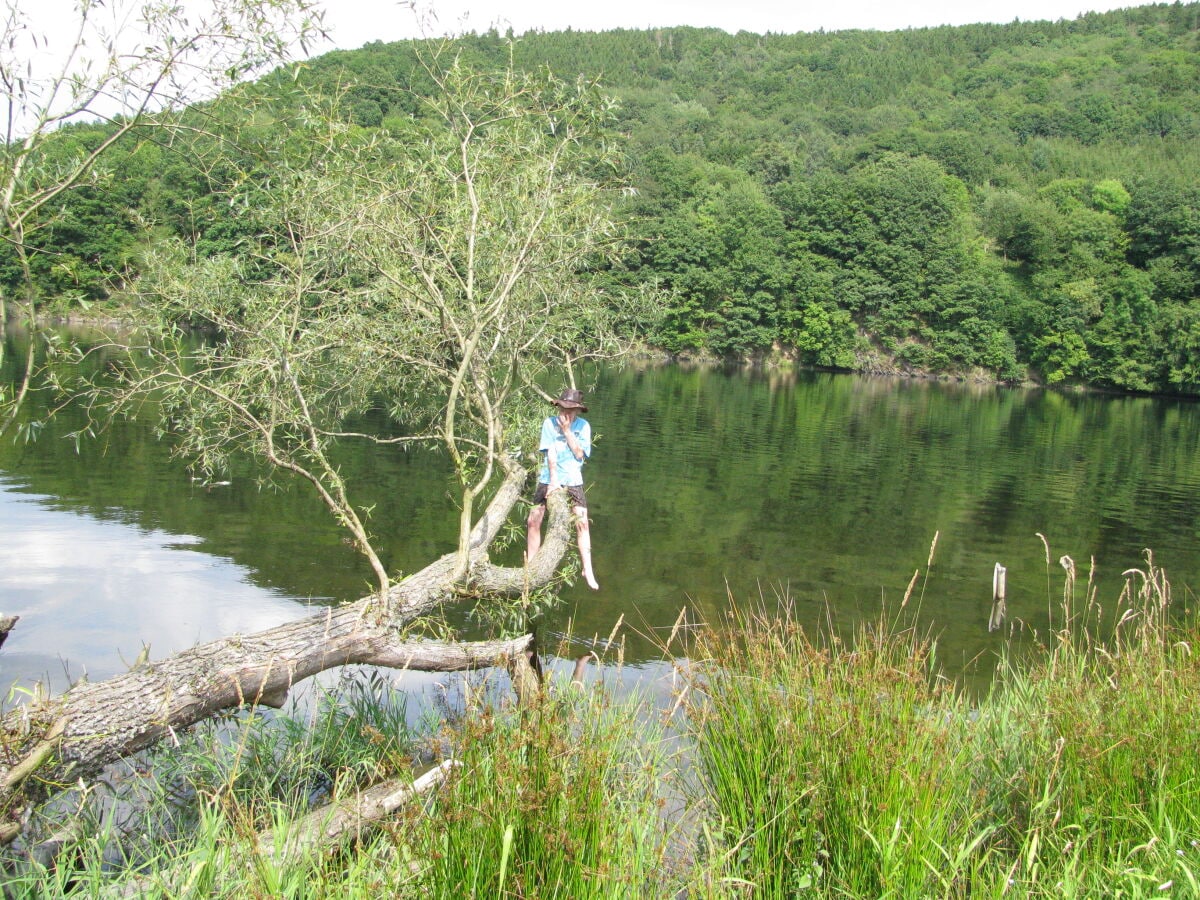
[{"x": 1015, "y": 201}]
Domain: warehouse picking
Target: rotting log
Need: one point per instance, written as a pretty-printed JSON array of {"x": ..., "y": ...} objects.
[
  {"x": 56, "y": 742},
  {"x": 350, "y": 819},
  {"x": 324, "y": 829}
]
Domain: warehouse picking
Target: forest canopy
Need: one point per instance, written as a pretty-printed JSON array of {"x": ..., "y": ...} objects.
[{"x": 1009, "y": 201}]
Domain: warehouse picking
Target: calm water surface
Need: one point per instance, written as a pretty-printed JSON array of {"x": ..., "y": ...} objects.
[{"x": 703, "y": 486}]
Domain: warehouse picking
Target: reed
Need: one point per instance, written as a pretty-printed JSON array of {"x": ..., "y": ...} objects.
[
  {"x": 809, "y": 764},
  {"x": 1101, "y": 782},
  {"x": 855, "y": 769},
  {"x": 828, "y": 766},
  {"x": 561, "y": 799}
]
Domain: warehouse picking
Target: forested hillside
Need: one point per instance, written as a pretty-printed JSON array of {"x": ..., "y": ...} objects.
[{"x": 1016, "y": 200}]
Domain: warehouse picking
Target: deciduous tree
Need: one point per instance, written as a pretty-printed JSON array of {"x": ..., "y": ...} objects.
[
  {"x": 439, "y": 271},
  {"x": 118, "y": 62}
]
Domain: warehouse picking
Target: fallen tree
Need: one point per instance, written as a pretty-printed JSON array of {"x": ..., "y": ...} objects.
[{"x": 56, "y": 742}]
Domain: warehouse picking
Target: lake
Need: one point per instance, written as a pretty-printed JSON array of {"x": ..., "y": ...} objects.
[{"x": 705, "y": 485}]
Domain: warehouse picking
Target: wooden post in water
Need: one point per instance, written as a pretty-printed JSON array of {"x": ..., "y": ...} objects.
[{"x": 999, "y": 607}]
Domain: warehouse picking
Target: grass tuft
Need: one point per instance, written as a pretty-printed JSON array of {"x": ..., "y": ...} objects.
[{"x": 856, "y": 769}]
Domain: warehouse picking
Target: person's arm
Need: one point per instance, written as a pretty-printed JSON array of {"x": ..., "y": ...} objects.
[
  {"x": 573, "y": 444},
  {"x": 546, "y": 446}
]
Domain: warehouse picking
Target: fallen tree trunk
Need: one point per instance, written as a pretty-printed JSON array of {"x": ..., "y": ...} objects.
[
  {"x": 350, "y": 819},
  {"x": 324, "y": 829},
  {"x": 53, "y": 744}
]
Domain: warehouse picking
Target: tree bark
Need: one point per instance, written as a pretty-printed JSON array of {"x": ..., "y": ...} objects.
[
  {"x": 352, "y": 818},
  {"x": 324, "y": 829},
  {"x": 59, "y": 741}
]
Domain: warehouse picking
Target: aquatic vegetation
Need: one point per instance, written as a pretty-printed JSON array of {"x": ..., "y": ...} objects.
[
  {"x": 787, "y": 764},
  {"x": 854, "y": 768}
]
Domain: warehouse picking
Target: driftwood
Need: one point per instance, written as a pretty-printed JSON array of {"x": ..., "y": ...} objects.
[
  {"x": 57, "y": 742},
  {"x": 322, "y": 829},
  {"x": 350, "y": 819}
]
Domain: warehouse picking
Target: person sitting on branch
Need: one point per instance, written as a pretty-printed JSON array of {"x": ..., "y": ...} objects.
[{"x": 565, "y": 445}]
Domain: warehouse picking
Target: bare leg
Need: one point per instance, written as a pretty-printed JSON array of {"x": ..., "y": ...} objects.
[
  {"x": 585, "y": 546},
  {"x": 533, "y": 531}
]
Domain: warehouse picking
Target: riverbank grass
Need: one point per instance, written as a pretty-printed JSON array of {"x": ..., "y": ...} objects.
[
  {"x": 790, "y": 764},
  {"x": 856, "y": 770},
  {"x": 561, "y": 799},
  {"x": 830, "y": 767}
]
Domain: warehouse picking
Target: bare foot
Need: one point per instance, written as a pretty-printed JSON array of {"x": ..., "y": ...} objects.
[{"x": 591, "y": 581}]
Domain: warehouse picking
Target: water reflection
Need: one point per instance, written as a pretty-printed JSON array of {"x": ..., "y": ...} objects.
[
  {"x": 704, "y": 485},
  {"x": 831, "y": 489},
  {"x": 89, "y": 593}
]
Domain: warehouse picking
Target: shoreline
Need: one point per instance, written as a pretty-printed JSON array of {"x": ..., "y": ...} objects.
[{"x": 778, "y": 359}]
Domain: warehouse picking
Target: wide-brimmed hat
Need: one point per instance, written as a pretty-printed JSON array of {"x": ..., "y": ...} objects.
[{"x": 571, "y": 398}]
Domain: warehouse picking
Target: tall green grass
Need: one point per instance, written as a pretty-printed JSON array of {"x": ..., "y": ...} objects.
[
  {"x": 855, "y": 769},
  {"x": 831, "y": 766},
  {"x": 183, "y": 821},
  {"x": 819, "y": 765},
  {"x": 1101, "y": 786},
  {"x": 558, "y": 800}
]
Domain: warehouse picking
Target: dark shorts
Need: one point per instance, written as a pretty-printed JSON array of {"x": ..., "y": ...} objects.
[{"x": 575, "y": 490}]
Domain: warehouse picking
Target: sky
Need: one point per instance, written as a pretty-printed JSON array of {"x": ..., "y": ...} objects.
[{"x": 356, "y": 22}]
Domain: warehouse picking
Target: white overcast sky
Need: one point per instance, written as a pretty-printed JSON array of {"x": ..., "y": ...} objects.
[{"x": 355, "y": 22}]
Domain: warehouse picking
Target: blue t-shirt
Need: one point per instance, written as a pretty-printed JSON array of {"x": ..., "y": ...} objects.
[{"x": 568, "y": 468}]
